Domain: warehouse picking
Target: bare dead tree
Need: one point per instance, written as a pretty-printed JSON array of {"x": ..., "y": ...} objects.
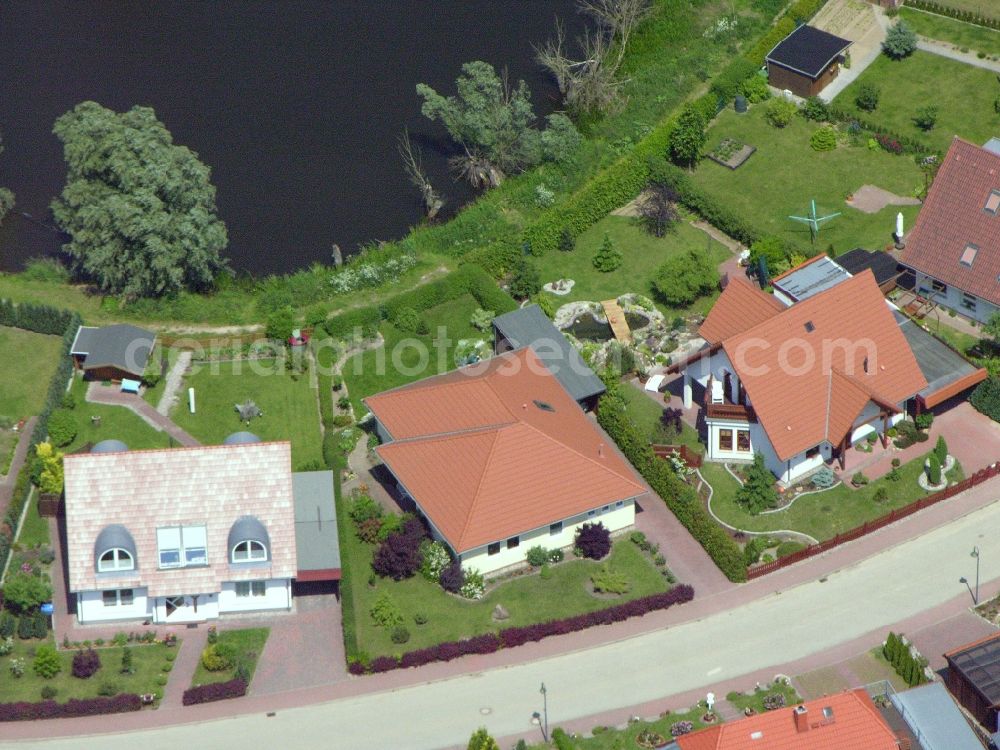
[
  {"x": 591, "y": 82},
  {"x": 477, "y": 170},
  {"x": 413, "y": 164},
  {"x": 658, "y": 209}
]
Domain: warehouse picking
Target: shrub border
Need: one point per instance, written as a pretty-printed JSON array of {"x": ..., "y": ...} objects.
[
  {"x": 25, "y": 711},
  {"x": 214, "y": 691}
]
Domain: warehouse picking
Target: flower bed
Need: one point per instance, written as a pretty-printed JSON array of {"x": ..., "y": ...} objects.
[{"x": 731, "y": 153}]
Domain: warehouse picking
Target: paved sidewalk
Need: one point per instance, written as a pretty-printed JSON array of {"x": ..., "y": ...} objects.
[
  {"x": 20, "y": 455},
  {"x": 193, "y": 642},
  {"x": 111, "y": 395}
]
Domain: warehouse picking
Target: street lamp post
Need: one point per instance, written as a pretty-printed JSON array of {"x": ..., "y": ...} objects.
[
  {"x": 975, "y": 554},
  {"x": 545, "y": 712}
]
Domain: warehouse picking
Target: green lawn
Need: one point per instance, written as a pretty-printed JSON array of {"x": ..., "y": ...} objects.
[
  {"x": 963, "y": 94},
  {"x": 152, "y": 395},
  {"x": 117, "y": 423},
  {"x": 646, "y": 414},
  {"x": 291, "y": 411},
  {"x": 528, "y": 598},
  {"x": 979, "y": 7},
  {"x": 959, "y": 33},
  {"x": 605, "y": 738},
  {"x": 785, "y": 174},
  {"x": 643, "y": 254},
  {"x": 825, "y": 514},
  {"x": 8, "y": 446},
  {"x": 35, "y": 530},
  {"x": 249, "y": 644},
  {"x": 755, "y": 700},
  {"x": 29, "y": 359},
  {"x": 407, "y": 357},
  {"x": 148, "y": 661}
]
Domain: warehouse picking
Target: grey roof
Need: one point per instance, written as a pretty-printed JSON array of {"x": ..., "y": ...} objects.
[
  {"x": 248, "y": 528},
  {"x": 810, "y": 279},
  {"x": 993, "y": 144},
  {"x": 123, "y": 346},
  {"x": 109, "y": 446},
  {"x": 940, "y": 364},
  {"x": 316, "y": 541},
  {"x": 529, "y": 326},
  {"x": 807, "y": 50},
  {"x": 979, "y": 666},
  {"x": 112, "y": 536},
  {"x": 935, "y": 719},
  {"x": 241, "y": 438}
]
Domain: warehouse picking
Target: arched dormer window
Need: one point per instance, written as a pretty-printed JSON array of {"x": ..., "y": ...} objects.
[
  {"x": 114, "y": 550},
  {"x": 248, "y": 541}
]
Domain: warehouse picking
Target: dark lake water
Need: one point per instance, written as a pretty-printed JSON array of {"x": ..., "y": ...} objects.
[{"x": 296, "y": 106}]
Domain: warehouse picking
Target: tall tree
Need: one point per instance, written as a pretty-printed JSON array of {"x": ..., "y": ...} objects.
[{"x": 139, "y": 209}]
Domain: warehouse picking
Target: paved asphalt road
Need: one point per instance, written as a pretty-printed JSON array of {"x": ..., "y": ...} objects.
[{"x": 785, "y": 626}]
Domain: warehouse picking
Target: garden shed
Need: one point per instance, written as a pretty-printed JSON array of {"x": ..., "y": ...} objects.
[
  {"x": 806, "y": 61},
  {"x": 118, "y": 352},
  {"x": 973, "y": 677}
]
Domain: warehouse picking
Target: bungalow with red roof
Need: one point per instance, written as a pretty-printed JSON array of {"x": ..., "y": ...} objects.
[
  {"x": 499, "y": 457},
  {"x": 845, "y": 721},
  {"x": 954, "y": 247},
  {"x": 189, "y": 534}
]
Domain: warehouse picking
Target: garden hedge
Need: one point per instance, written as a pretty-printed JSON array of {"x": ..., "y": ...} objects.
[
  {"x": 910, "y": 145},
  {"x": 24, "y": 711},
  {"x": 487, "y": 643},
  {"x": 798, "y": 13},
  {"x": 50, "y": 321},
  {"x": 962, "y": 15},
  {"x": 214, "y": 691},
  {"x": 679, "y": 496}
]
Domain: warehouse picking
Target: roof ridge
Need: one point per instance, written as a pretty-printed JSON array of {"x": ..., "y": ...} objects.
[
  {"x": 479, "y": 486},
  {"x": 829, "y": 398},
  {"x": 180, "y": 448},
  {"x": 454, "y": 434}
]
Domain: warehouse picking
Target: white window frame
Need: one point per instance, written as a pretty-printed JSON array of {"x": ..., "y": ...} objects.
[
  {"x": 255, "y": 551},
  {"x": 555, "y": 529},
  {"x": 250, "y": 589},
  {"x": 121, "y": 560},
  {"x": 194, "y": 553},
  {"x": 969, "y": 302},
  {"x": 122, "y": 597}
]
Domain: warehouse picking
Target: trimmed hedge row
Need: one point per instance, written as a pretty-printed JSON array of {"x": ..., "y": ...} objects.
[
  {"x": 47, "y": 320},
  {"x": 487, "y": 643},
  {"x": 910, "y": 145},
  {"x": 962, "y": 15},
  {"x": 214, "y": 691},
  {"x": 468, "y": 279},
  {"x": 24, "y": 711},
  {"x": 679, "y": 496},
  {"x": 800, "y": 12}
]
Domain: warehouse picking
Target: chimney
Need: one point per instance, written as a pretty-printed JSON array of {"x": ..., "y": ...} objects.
[
  {"x": 801, "y": 714},
  {"x": 600, "y": 450}
]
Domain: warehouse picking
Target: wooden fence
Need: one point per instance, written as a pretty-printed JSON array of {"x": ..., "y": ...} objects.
[
  {"x": 687, "y": 455},
  {"x": 869, "y": 526}
]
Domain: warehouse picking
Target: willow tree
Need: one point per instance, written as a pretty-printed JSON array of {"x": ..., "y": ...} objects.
[{"x": 140, "y": 210}]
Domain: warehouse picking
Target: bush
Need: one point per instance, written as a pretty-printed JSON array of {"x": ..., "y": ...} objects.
[
  {"x": 481, "y": 740},
  {"x": 824, "y": 139},
  {"x": 788, "y": 548},
  {"x": 881, "y": 494},
  {"x": 687, "y": 136},
  {"x": 385, "y": 612},
  {"x": 924, "y": 420},
  {"x": 215, "y": 691},
  {"x": 49, "y": 709},
  {"x": 25, "y": 591},
  {"x": 62, "y": 427},
  {"x": 8, "y": 624},
  {"x": 420, "y": 618},
  {"x": 567, "y": 243},
  {"x": 757, "y": 492},
  {"x": 218, "y": 657},
  {"x": 6, "y": 645},
  {"x": 941, "y": 450},
  {"x": 49, "y": 692},
  {"x": 474, "y": 585},
  {"x": 774, "y": 701},
  {"x": 407, "y": 319},
  {"x": 679, "y": 728},
  {"x": 933, "y": 470},
  {"x": 859, "y": 479},
  {"x": 452, "y": 577},
  {"x": 609, "y": 581},
  {"x": 400, "y": 634},
  {"x": 868, "y": 96},
  {"x": 824, "y": 478},
  {"x": 752, "y": 550},
  {"x": 815, "y": 109},
  {"x": 779, "y": 112},
  {"x": 593, "y": 540},
  {"x": 755, "y": 89},
  {"x": 399, "y": 557},
  {"x": 368, "y": 530},
  {"x": 127, "y": 666},
  {"x": 363, "y": 508},
  {"x": 26, "y": 627},
  {"x": 47, "y": 663},
  {"x": 524, "y": 279},
  {"x": 435, "y": 559},
  {"x": 86, "y": 663},
  {"x": 607, "y": 258},
  {"x": 684, "y": 278},
  {"x": 537, "y": 556},
  {"x": 926, "y": 118},
  {"x": 482, "y": 319},
  {"x": 900, "y": 41},
  {"x": 108, "y": 688}
]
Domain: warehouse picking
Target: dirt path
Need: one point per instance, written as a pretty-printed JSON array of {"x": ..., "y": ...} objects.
[
  {"x": 174, "y": 379},
  {"x": 871, "y": 199}
]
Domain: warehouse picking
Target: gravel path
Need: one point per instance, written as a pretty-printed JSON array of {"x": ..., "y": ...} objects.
[{"x": 174, "y": 379}]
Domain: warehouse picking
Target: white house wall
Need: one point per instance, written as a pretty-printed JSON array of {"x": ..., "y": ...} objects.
[
  {"x": 207, "y": 609},
  {"x": 90, "y": 607},
  {"x": 953, "y": 299},
  {"x": 614, "y": 519},
  {"x": 277, "y": 595}
]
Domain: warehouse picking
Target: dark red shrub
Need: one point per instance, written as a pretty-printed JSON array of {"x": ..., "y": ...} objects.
[
  {"x": 593, "y": 540},
  {"x": 86, "y": 663},
  {"x": 384, "y": 663},
  {"x": 399, "y": 557},
  {"x": 448, "y": 650},
  {"x": 23, "y": 711},
  {"x": 356, "y": 667},
  {"x": 215, "y": 691},
  {"x": 452, "y": 577},
  {"x": 486, "y": 643}
]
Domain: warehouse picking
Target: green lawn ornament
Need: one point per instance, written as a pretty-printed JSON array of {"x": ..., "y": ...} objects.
[{"x": 813, "y": 221}]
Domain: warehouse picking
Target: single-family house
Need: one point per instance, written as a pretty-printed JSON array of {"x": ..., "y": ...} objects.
[
  {"x": 836, "y": 722},
  {"x": 802, "y": 374},
  {"x": 529, "y": 326},
  {"x": 499, "y": 457},
  {"x": 954, "y": 246},
  {"x": 806, "y": 61},
  {"x": 194, "y": 533},
  {"x": 116, "y": 352}
]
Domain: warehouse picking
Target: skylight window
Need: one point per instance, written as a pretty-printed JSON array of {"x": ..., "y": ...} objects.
[
  {"x": 809, "y": 326},
  {"x": 969, "y": 255},
  {"x": 543, "y": 405},
  {"x": 992, "y": 202}
]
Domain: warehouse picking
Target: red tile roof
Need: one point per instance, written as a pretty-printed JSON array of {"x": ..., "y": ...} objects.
[
  {"x": 739, "y": 307},
  {"x": 804, "y": 369},
  {"x": 497, "y": 449},
  {"x": 855, "y": 724},
  {"x": 953, "y": 216}
]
